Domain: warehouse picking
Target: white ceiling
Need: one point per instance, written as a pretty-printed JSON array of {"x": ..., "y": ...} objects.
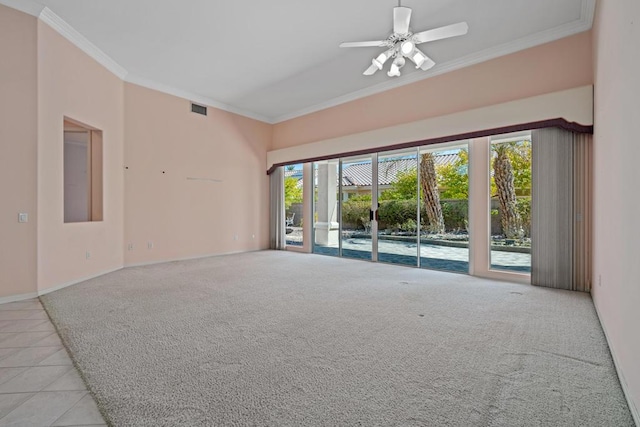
[{"x": 278, "y": 59}]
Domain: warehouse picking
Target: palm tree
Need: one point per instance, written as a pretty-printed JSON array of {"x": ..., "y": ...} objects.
[
  {"x": 506, "y": 192},
  {"x": 431, "y": 194}
]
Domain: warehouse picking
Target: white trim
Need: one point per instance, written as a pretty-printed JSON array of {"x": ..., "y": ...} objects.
[
  {"x": 16, "y": 298},
  {"x": 583, "y": 24},
  {"x": 81, "y": 42},
  {"x": 76, "y": 281},
  {"x": 635, "y": 413},
  {"x": 143, "y": 264},
  {"x": 198, "y": 99}
]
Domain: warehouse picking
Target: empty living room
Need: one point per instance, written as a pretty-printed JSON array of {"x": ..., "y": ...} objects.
[{"x": 362, "y": 213}]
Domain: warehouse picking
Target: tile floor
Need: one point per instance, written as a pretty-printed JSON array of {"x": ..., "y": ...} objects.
[{"x": 39, "y": 386}]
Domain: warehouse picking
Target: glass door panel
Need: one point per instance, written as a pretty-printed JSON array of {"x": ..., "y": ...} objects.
[
  {"x": 510, "y": 203},
  {"x": 444, "y": 207},
  {"x": 398, "y": 207},
  {"x": 326, "y": 228},
  {"x": 356, "y": 185},
  {"x": 293, "y": 195}
]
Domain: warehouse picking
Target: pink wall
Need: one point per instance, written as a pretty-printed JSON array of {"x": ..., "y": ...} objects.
[
  {"x": 616, "y": 177},
  {"x": 18, "y": 139},
  {"x": 563, "y": 64},
  {"x": 188, "y": 218},
  {"x": 72, "y": 84}
]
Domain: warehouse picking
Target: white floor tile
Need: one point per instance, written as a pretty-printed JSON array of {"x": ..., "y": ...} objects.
[
  {"x": 70, "y": 381},
  {"x": 30, "y": 356},
  {"x": 7, "y": 373},
  {"x": 42, "y": 409},
  {"x": 58, "y": 358},
  {"x": 21, "y": 339},
  {"x": 34, "y": 379},
  {"x": 22, "y": 305},
  {"x": 9, "y": 402},
  {"x": 84, "y": 412},
  {"x": 26, "y": 325}
]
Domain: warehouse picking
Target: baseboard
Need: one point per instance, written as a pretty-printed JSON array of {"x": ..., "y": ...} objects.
[
  {"x": 76, "y": 281},
  {"x": 142, "y": 264},
  {"x": 16, "y": 298},
  {"x": 623, "y": 382}
]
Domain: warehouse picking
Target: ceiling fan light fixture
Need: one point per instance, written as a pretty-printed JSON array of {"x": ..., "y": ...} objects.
[
  {"x": 395, "y": 66},
  {"x": 381, "y": 59},
  {"x": 394, "y": 71},
  {"x": 407, "y": 47},
  {"x": 399, "y": 61},
  {"x": 418, "y": 57}
]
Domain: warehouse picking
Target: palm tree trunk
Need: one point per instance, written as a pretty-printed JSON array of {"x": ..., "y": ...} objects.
[
  {"x": 431, "y": 194},
  {"x": 503, "y": 177}
]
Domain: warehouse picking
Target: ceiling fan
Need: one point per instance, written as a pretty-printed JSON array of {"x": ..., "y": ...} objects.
[{"x": 402, "y": 43}]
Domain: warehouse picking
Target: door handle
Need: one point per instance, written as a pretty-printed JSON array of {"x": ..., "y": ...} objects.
[{"x": 370, "y": 215}]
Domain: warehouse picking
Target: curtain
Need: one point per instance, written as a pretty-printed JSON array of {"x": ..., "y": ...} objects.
[
  {"x": 561, "y": 210},
  {"x": 277, "y": 239}
]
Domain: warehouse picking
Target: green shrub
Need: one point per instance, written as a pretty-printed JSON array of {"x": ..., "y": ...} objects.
[
  {"x": 455, "y": 214},
  {"x": 394, "y": 213},
  {"x": 354, "y": 210}
]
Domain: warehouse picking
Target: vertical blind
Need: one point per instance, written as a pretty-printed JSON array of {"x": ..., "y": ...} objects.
[{"x": 561, "y": 209}]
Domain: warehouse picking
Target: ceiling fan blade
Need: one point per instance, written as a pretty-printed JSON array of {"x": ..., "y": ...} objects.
[
  {"x": 401, "y": 19},
  {"x": 371, "y": 70},
  {"x": 452, "y": 30},
  {"x": 379, "y": 43}
]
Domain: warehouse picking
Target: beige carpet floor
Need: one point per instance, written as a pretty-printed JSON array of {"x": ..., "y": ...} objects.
[{"x": 286, "y": 339}]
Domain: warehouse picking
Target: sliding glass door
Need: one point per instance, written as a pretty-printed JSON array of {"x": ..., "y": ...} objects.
[
  {"x": 444, "y": 203},
  {"x": 411, "y": 206},
  {"x": 356, "y": 184},
  {"x": 510, "y": 203},
  {"x": 326, "y": 228},
  {"x": 397, "y": 208},
  {"x": 406, "y": 207}
]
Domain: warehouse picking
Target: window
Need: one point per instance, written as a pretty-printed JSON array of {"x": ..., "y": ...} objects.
[{"x": 82, "y": 172}]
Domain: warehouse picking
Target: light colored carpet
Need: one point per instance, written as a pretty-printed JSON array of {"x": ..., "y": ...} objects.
[{"x": 277, "y": 338}]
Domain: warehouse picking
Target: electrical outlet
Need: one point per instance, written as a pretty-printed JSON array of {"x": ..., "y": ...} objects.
[
  {"x": 130, "y": 246},
  {"x": 599, "y": 280},
  {"x": 235, "y": 237},
  {"x": 149, "y": 245},
  {"x": 253, "y": 236},
  {"x": 23, "y": 217},
  {"x": 88, "y": 255}
]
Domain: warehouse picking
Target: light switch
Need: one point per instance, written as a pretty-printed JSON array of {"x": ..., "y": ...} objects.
[{"x": 23, "y": 217}]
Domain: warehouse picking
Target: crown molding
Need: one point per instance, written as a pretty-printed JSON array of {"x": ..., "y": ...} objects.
[
  {"x": 583, "y": 24},
  {"x": 67, "y": 31},
  {"x": 199, "y": 99}
]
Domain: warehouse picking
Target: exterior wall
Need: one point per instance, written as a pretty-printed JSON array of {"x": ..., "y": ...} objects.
[
  {"x": 165, "y": 144},
  {"x": 18, "y": 140},
  {"x": 71, "y": 84},
  {"x": 616, "y": 273},
  {"x": 562, "y": 64}
]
